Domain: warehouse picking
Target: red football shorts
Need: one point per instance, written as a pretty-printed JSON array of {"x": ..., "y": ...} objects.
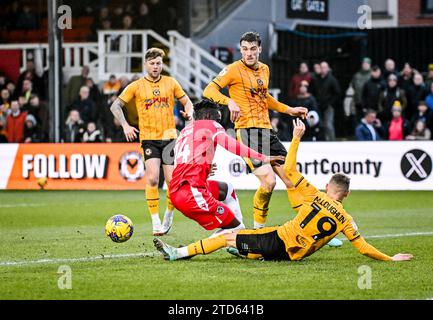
[{"x": 199, "y": 204}]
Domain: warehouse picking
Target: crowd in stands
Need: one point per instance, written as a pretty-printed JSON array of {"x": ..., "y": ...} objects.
[
  {"x": 24, "y": 115},
  {"x": 89, "y": 15},
  {"x": 381, "y": 103}
]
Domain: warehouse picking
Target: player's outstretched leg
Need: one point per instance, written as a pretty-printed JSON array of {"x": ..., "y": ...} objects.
[
  {"x": 204, "y": 246},
  {"x": 169, "y": 252}
]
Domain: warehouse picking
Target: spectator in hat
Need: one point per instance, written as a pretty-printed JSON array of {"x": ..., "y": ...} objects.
[
  {"x": 398, "y": 127},
  {"x": 32, "y": 131},
  {"x": 387, "y": 98},
  {"x": 39, "y": 110},
  {"x": 314, "y": 130},
  {"x": 369, "y": 128},
  {"x": 358, "y": 81}
]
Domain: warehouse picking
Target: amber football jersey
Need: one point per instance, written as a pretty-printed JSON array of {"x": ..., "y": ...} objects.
[
  {"x": 155, "y": 106},
  {"x": 319, "y": 218},
  {"x": 249, "y": 89}
]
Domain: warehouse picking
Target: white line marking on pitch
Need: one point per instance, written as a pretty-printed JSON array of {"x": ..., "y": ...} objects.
[
  {"x": 72, "y": 260},
  {"x": 16, "y": 205},
  {"x": 152, "y": 254},
  {"x": 397, "y": 235}
]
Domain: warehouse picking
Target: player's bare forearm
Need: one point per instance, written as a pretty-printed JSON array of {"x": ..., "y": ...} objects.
[
  {"x": 189, "y": 108},
  {"x": 212, "y": 92},
  {"x": 116, "y": 109}
]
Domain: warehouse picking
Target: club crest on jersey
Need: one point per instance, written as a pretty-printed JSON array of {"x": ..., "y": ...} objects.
[
  {"x": 131, "y": 166},
  {"x": 260, "y": 82},
  {"x": 156, "y": 92},
  {"x": 220, "y": 210},
  {"x": 301, "y": 241},
  {"x": 222, "y": 72}
]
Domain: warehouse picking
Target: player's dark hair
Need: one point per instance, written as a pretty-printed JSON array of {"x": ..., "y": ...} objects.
[
  {"x": 206, "y": 110},
  {"x": 153, "y": 53},
  {"x": 375, "y": 67},
  {"x": 342, "y": 181},
  {"x": 251, "y": 36}
]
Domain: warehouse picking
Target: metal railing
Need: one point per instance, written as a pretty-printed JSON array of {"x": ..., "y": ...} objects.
[
  {"x": 191, "y": 65},
  {"x": 75, "y": 55}
]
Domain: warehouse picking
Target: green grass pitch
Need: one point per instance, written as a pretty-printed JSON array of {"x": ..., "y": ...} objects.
[{"x": 41, "y": 231}]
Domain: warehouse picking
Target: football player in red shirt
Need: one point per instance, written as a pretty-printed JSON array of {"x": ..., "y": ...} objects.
[{"x": 193, "y": 155}]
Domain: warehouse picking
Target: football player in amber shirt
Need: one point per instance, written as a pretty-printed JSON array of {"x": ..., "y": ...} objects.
[
  {"x": 154, "y": 96},
  {"x": 249, "y": 104},
  {"x": 320, "y": 218}
]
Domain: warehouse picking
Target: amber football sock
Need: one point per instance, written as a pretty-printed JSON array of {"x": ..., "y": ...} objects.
[
  {"x": 170, "y": 206},
  {"x": 152, "y": 198},
  {"x": 261, "y": 206},
  {"x": 207, "y": 245}
]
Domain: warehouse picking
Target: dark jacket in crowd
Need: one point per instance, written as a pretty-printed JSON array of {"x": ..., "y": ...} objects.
[
  {"x": 74, "y": 132},
  {"x": 387, "y": 99},
  {"x": 86, "y": 108},
  {"x": 371, "y": 93},
  {"x": 415, "y": 94},
  {"x": 326, "y": 90}
]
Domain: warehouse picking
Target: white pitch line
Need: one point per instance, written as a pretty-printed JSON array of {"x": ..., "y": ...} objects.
[
  {"x": 397, "y": 235},
  {"x": 152, "y": 254},
  {"x": 15, "y": 205},
  {"x": 73, "y": 260}
]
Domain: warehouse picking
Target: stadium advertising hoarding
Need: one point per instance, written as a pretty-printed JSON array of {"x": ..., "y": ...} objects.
[
  {"x": 405, "y": 165},
  {"x": 98, "y": 166},
  {"x": 386, "y": 165}
]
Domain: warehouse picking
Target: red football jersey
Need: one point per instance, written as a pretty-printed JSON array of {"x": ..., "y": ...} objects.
[
  {"x": 195, "y": 149},
  {"x": 194, "y": 152}
]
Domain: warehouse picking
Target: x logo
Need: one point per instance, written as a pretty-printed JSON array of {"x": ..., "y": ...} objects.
[{"x": 416, "y": 165}]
